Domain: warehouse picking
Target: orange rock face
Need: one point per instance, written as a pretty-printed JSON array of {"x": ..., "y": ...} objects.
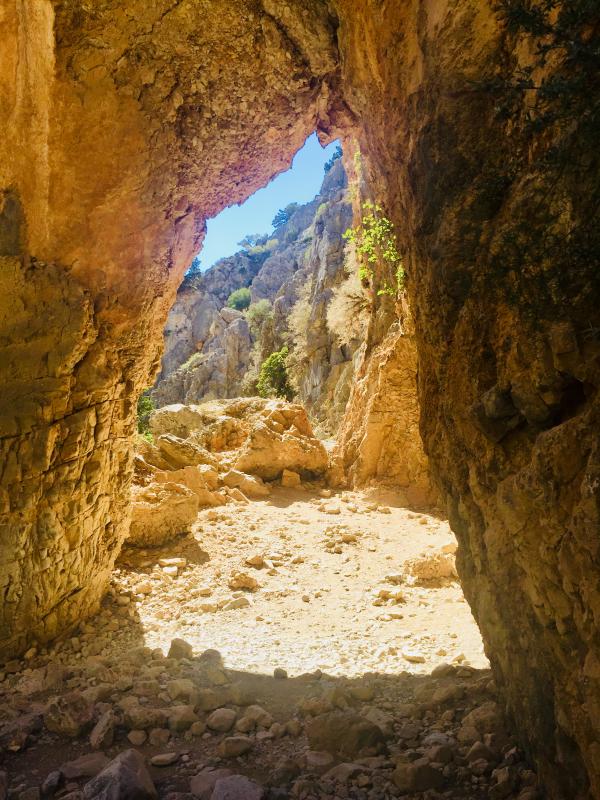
[{"x": 129, "y": 123}]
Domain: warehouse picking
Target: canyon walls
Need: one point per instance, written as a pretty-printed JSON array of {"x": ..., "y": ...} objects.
[
  {"x": 124, "y": 132},
  {"x": 212, "y": 351},
  {"x": 494, "y": 190}
]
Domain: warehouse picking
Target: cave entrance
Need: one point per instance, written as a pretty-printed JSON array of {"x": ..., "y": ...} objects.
[{"x": 291, "y": 574}]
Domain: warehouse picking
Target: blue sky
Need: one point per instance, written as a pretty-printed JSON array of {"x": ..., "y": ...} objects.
[{"x": 299, "y": 184}]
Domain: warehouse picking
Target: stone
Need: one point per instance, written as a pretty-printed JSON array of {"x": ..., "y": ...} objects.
[
  {"x": 346, "y": 734},
  {"x": 164, "y": 759},
  {"x": 203, "y": 784},
  {"x": 183, "y": 452},
  {"x": 32, "y": 793},
  {"x": 103, "y": 732},
  {"x": 137, "y": 738},
  {"x": 345, "y": 772},
  {"x": 290, "y": 479},
  {"x": 250, "y": 485},
  {"x": 125, "y": 778},
  {"x": 86, "y": 766},
  {"x": 234, "y": 746},
  {"x": 237, "y": 602},
  {"x": 160, "y": 512},
  {"x": 179, "y": 649},
  {"x": 237, "y": 787},
  {"x": 142, "y": 717},
  {"x": 242, "y": 580},
  {"x": 181, "y": 718},
  {"x": 221, "y": 720},
  {"x": 318, "y": 761},
  {"x": 194, "y": 479},
  {"x": 158, "y": 737},
  {"x": 280, "y": 674},
  {"x": 49, "y": 787},
  {"x": 414, "y": 656},
  {"x": 417, "y": 778},
  {"x": 181, "y": 687},
  {"x": 70, "y": 715}
]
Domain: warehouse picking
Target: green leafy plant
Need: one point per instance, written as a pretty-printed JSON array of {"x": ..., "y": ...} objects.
[
  {"x": 273, "y": 377},
  {"x": 145, "y": 407},
  {"x": 239, "y": 299},
  {"x": 374, "y": 241}
]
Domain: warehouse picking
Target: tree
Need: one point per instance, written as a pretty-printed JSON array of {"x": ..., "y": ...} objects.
[
  {"x": 283, "y": 215},
  {"x": 195, "y": 267},
  {"x": 273, "y": 378},
  {"x": 280, "y": 218},
  {"x": 239, "y": 299},
  {"x": 250, "y": 240},
  {"x": 337, "y": 154}
]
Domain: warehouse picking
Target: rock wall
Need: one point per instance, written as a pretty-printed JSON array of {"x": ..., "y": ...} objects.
[
  {"x": 123, "y": 134},
  {"x": 493, "y": 194}
]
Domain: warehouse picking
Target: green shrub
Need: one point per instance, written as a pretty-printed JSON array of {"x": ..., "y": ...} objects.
[
  {"x": 257, "y": 314},
  {"x": 273, "y": 378},
  {"x": 337, "y": 153},
  {"x": 145, "y": 406},
  {"x": 239, "y": 299},
  {"x": 375, "y": 243}
]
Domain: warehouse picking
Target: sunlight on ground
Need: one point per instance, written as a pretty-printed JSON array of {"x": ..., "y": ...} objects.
[{"x": 317, "y": 605}]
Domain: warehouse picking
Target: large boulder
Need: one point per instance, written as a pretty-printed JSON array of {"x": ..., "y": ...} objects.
[
  {"x": 125, "y": 778},
  {"x": 179, "y": 452},
  {"x": 194, "y": 480},
  {"x": 160, "y": 512},
  {"x": 267, "y": 453},
  {"x": 346, "y": 734},
  {"x": 253, "y": 435}
]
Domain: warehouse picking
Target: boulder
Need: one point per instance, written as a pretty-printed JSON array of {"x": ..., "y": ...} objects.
[
  {"x": 183, "y": 453},
  {"x": 193, "y": 479},
  {"x": 179, "y": 648},
  {"x": 202, "y": 784},
  {"x": 237, "y": 787},
  {"x": 160, "y": 512},
  {"x": 248, "y": 484},
  {"x": 346, "y": 734},
  {"x": 125, "y": 778},
  {"x": 70, "y": 714},
  {"x": 103, "y": 732},
  {"x": 267, "y": 452},
  {"x": 86, "y": 766},
  {"x": 262, "y": 437}
]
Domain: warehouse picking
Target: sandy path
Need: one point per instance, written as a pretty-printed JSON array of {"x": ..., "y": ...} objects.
[{"x": 315, "y": 607}]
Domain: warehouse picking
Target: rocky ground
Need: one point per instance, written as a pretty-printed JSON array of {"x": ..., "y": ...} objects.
[{"x": 310, "y": 644}]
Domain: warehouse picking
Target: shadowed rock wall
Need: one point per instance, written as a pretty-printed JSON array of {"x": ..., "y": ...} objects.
[
  {"x": 496, "y": 202},
  {"x": 124, "y": 132}
]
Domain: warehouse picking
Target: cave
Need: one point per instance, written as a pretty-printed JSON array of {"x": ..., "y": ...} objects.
[{"x": 128, "y": 124}]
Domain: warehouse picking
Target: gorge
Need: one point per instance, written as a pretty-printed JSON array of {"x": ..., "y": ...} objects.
[{"x": 475, "y": 126}]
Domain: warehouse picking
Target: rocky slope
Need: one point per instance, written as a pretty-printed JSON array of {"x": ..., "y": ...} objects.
[{"x": 209, "y": 348}]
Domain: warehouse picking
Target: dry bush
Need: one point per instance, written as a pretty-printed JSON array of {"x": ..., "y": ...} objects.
[{"x": 348, "y": 311}]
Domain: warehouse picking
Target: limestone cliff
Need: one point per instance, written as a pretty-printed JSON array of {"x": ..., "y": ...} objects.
[{"x": 212, "y": 351}]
